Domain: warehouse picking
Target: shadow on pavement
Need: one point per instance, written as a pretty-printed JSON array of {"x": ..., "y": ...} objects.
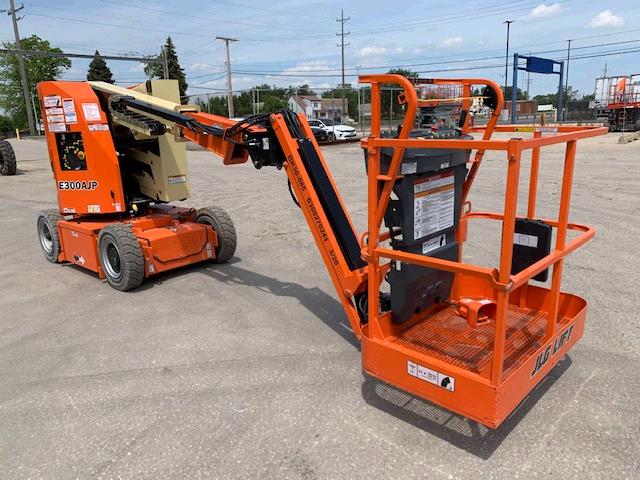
[
  {"x": 320, "y": 304},
  {"x": 448, "y": 426}
]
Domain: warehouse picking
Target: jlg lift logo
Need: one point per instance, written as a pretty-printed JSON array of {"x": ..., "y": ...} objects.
[
  {"x": 551, "y": 350},
  {"x": 78, "y": 185}
]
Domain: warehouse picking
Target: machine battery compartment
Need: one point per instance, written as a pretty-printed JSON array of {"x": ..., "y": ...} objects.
[{"x": 531, "y": 242}]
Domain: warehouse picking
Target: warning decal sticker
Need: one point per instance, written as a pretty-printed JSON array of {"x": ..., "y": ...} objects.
[
  {"x": 91, "y": 112},
  {"x": 57, "y": 127},
  {"x": 52, "y": 101},
  {"x": 434, "y": 243},
  {"x": 433, "y": 205},
  {"x": 436, "y": 378},
  {"x": 69, "y": 107}
]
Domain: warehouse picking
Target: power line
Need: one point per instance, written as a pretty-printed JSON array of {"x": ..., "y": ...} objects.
[
  {"x": 200, "y": 17},
  {"x": 447, "y": 62},
  {"x": 37, "y": 53},
  {"x": 297, "y": 13},
  {"x": 448, "y": 18},
  {"x": 127, "y": 27},
  {"x": 460, "y": 69}
]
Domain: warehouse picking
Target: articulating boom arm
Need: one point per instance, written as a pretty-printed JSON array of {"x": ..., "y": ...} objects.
[{"x": 283, "y": 140}]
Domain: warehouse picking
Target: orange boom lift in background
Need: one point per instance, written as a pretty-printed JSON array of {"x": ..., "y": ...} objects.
[{"x": 473, "y": 339}]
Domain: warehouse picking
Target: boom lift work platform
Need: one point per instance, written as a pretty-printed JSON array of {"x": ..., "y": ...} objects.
[{"x": 473, "y": 339}]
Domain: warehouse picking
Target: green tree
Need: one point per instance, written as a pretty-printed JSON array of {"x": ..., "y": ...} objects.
[
  {"x": 274, "y": 104},
  {"x": 570, "y": 94},
  {"x": 243, "y": 103},
  {"x": 156, "y": 69},
  {"x": 214, "y": 105},
  {"x": 405, "y": 72},
  {"x": 39, "y": 69},
  {"x": 6, "y": 124},
  {"x": 520, "y": 95},
  {"x": 99, "y": 70},
  {"x": 304, "y": 90}
]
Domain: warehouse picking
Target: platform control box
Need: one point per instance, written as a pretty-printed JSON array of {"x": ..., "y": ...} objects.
[{"x": 422, "y": 216}]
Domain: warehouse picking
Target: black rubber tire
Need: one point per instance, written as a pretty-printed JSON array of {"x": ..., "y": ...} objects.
[
  {"x": 121, "y": 257},
  {"x": 331, "y": 136},
  {"x": 7, "y": 159},
  {"x": 48, "y": 234},
  {"x": 221, "y": 222}
]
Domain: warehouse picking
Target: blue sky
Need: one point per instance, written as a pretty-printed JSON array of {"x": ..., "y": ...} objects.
[{"x": 285, "y": 42}]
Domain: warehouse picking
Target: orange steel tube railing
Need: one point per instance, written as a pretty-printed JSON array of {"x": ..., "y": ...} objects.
[{"x": 500, "y": 280}]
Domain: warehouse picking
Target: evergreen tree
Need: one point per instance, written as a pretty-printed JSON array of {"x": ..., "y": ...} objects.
[
  {"x": 99, "y": 70},
  {"x": 156, "y": 69}
]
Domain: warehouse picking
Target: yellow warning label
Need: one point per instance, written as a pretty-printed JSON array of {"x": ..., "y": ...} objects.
[{"x": 525, "y": 129}]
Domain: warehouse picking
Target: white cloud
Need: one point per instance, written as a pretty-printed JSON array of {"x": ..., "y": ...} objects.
[
  {"x": 203, "y": 67},
  {"x": 399, "y": 50},
  {"x": 606, "y": 19},
  {"x": 372, "y": 51},
  {"x": 545, "y": 11},
  {"x": 305, "y": 67},
  {"x": 416, "y": 51},
  {"x": 452, "y": 42},
  {"x": 137, "y": 68}
]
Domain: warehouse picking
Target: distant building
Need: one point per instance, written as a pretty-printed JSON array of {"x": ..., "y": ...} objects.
[
  {"x": 316, "y": 107},
  {"x": 332, "y": 108},
  {"x": 310, "y": 105},
  {"x": 523, "y": 107}
]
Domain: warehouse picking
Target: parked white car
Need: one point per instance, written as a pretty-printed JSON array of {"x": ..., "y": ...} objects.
[{"x": 335, "y": 130}]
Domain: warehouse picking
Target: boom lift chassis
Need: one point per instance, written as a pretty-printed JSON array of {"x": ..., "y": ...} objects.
[{"x": 479, "y": 369}]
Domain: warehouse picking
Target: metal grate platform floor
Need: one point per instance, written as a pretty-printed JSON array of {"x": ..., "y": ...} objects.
[{"x": 448, "y": 337}]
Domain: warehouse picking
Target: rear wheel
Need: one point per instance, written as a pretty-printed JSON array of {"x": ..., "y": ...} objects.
[
  {"x": 7, "y": 159},
  {"x": 48, "y": 234},
  {"x": 220, "y": 221},
  {"x": 121, "y": 257}
]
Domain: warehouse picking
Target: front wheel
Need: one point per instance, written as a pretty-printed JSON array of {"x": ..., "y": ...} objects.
[
  {"x": 221, "y": 223},
  {"x": 48, "y": 234},
  {"x": 121, "y": 256},
  {"x": 332, "y": 136}
]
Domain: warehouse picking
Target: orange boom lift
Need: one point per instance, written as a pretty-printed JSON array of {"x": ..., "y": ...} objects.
[{"x": 473, "y": 339}]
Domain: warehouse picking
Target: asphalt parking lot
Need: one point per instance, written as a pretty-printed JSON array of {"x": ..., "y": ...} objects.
[{"x": 248, "y": 370}]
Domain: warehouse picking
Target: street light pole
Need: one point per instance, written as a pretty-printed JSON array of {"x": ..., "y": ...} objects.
[
  {"x": 506, "y": 56},
  {"x": 566, "y": 82}
]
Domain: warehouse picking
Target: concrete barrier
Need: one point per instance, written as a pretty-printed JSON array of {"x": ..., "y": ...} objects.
[{"x": 629, "y": 137}]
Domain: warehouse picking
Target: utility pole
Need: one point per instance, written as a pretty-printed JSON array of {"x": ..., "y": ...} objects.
[
  {"x": 529, "y": 82},
  {"x": 360, "y": 101},
  {"x": 226, "y": 41},
  {"x": 342, "y": 34},
  {"x": 506, "y": 57},
  {"x": 23, "y": 73},
  {"x": 165, "y": 63},
  {"x": 566, "y": 81}
]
